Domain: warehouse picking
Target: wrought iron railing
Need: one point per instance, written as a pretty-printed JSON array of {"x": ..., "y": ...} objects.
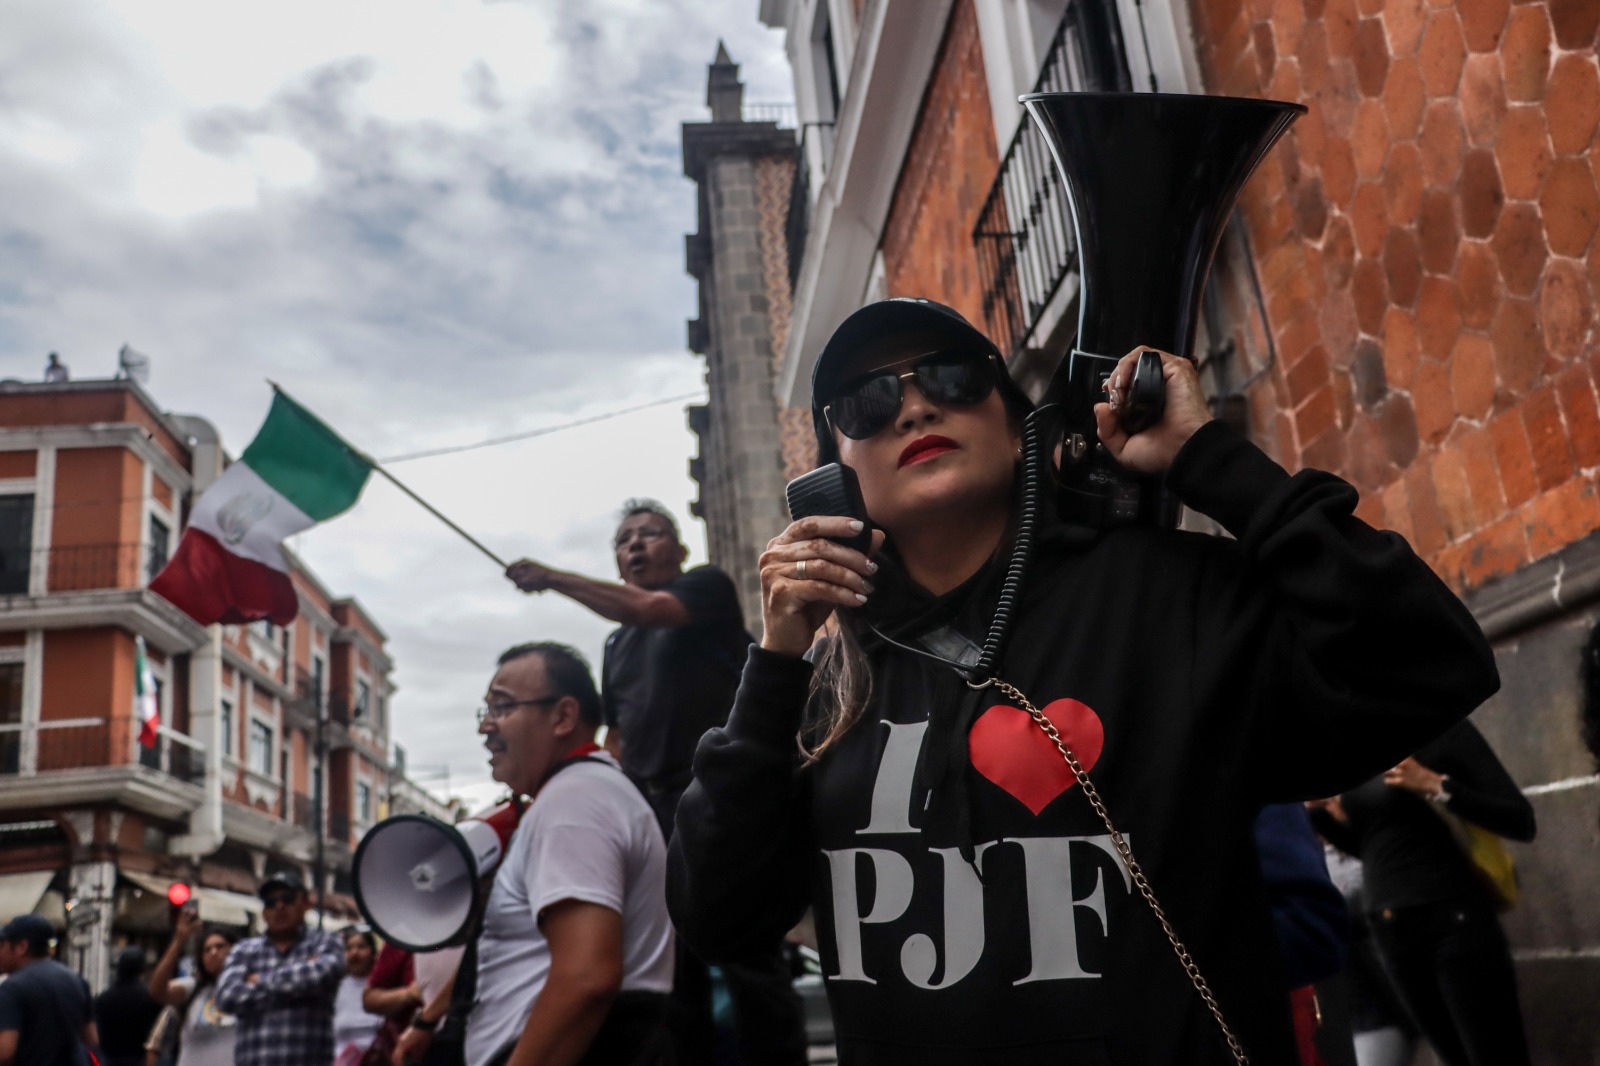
[
  {"x": 303, "y": 811},
  {"x": 175, "y": 753},
  {"x": 339, "y": 709},
  {"x": 308, "y": 689},
  {"x": 77, "y": 568},
  {"x": 87, "y": 743},
  {"x": 782, "y": 114},
  {"x": 1024, "y": 239}
]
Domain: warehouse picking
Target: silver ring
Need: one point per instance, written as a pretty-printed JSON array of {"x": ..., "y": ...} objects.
[{"x": 800, "y": 570}]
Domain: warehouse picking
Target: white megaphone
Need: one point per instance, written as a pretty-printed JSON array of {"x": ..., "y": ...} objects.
[{"x": 416, "y": 878}]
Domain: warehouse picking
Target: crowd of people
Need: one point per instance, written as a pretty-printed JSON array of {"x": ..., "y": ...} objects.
[{"x": 1100, "y": 840}]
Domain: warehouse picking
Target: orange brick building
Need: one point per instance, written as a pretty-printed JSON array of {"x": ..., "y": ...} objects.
[
  {"x": 1406, "y": 297},
  {"x": 95, "y": 482}
]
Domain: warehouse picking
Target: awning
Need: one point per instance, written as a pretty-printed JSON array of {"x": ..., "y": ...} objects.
[
  {"x": 215, "y": 904},
  {"x": 227, "y": 908},
  {"x": 20, "y": 893}
]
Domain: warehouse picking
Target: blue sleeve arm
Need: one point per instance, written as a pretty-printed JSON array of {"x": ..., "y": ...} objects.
[{"x": 1309, "y": 917}]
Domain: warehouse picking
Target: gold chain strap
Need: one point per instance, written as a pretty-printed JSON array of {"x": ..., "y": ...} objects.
[{"x": 1131, "y": 864}]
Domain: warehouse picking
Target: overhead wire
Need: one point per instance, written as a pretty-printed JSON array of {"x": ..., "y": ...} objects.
[
  {"x": 512, "y": 438},
  {"x": 449, "y": 450}
]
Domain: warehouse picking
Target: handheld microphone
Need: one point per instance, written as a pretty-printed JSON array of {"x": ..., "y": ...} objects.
[{"x": 832, "y": 489}]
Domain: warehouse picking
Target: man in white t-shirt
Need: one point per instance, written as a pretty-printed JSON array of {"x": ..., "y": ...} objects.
[{"x": 575, "y": 960}]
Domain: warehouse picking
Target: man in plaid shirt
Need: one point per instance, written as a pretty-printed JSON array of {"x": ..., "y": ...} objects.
[{"x": 281, "y": 986}]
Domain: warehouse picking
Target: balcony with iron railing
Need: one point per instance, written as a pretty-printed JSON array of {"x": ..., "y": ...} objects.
[
  {"x": 781, "y": 113},
  {"x": 312, "y": 701},
  {"x": 1024, "y": 239},
  {"x": 70, "y": 585},
  {"x": 339, "y": 828},
  {"x": 78, "y": 760},
  {"x": 78, "y": 568},
  {"x": 303, "y": 811}
]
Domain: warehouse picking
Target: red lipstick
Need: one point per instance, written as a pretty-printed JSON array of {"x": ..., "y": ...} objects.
[{"x": 927, "y": 447}]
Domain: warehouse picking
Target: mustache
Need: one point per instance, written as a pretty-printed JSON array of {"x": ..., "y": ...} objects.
[{"x": 495, "y": 744}]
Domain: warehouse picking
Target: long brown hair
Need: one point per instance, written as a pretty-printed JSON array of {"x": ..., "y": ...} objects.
[{"x": 841, "y": 687}]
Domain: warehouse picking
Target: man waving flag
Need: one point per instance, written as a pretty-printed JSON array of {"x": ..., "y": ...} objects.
[{"x": 229, "y": 566}]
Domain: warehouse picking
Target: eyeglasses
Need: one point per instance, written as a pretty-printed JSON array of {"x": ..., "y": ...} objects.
[
  {"x": 646, "y": 533},
  {"x": 868, "y": 405},
  {"x": 279, "y": 899},
  {"x": 499, "y": 709}
]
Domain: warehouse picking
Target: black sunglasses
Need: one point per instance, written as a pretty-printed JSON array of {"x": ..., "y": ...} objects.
[{"x": 867, "y": 405}]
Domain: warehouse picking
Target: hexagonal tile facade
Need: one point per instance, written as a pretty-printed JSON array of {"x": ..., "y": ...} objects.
[{"x": 1447, "y": 185}]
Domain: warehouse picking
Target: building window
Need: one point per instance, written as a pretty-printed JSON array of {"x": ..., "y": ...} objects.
[
  {"x": 286, "y": 797},
  {"x": 10, "y": 717},
  {"x": 261, "y": 748},
  {"x": 363, "y": 802},
  {"x": 378, "y": 710},
  {"x": 318, "y": 669},
  {"x": 226, "y": 727},
  {"x": 16, "y": 542},
  {"x": 160, "y": 537},
  {"x": 363, "y": 698}
]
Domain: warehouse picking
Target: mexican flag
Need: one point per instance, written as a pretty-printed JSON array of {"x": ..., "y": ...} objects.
[
  {"x": 229, "y": 566},
  {"x": 145, "y": 702}
]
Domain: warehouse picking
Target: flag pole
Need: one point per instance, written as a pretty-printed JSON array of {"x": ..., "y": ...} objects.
[
  {"x": 397, "y": 483},
  {"x": 431, "y": 509}
]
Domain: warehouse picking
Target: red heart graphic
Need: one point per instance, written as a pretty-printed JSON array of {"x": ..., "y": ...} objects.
[{"x": 1008, "y": 747}]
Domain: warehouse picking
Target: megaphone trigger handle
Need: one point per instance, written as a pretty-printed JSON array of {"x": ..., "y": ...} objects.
[{"x": 1145, "y": 400}]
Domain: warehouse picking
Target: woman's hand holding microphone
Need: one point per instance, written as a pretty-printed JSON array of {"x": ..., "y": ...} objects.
[{"x": 805, "y": 576}]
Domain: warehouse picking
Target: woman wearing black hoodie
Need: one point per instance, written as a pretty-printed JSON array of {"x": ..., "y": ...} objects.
[{"x": 970, "y": 903}]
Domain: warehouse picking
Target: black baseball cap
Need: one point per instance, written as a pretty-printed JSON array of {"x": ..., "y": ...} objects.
[
  {"x": 283, "y": 879},
  {"x": 34, "y": 929},
  {"x": 885, "y": 318}
]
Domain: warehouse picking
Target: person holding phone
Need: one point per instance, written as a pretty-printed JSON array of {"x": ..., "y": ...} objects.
[
  {"x": 205, "y": 1037},
  {"x": 971, "y": 902}
]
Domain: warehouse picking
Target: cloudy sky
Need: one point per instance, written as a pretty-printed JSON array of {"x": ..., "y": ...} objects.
[{"x": 433, "y": 222}]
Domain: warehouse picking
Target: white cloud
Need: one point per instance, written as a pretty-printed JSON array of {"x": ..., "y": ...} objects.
[
  {"x": 175, "y": 179},
  {"x": 433, "y": 220}
]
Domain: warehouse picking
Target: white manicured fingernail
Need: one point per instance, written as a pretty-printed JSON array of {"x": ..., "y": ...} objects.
[
  {"x": 872, "y": 567},
  {"x": 860, "y": 598},
  {"x": 857, "y": 526}
]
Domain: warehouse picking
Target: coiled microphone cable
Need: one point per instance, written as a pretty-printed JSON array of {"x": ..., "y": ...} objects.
[{"x": 1035, "y": 445}]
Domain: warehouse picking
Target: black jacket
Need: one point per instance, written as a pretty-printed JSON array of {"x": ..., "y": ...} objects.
[
  {"x": 1409, "y": 855},
  {"x": 1305, "y": 656}
]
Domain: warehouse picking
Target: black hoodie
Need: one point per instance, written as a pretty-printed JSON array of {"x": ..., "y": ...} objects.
[{"x": 1197, "y": 677}]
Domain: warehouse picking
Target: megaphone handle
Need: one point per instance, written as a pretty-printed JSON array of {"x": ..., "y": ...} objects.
[{"x": 1146, "y": 399}]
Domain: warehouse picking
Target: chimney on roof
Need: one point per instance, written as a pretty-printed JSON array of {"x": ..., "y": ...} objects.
[{"x": 724, "y": 90}]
